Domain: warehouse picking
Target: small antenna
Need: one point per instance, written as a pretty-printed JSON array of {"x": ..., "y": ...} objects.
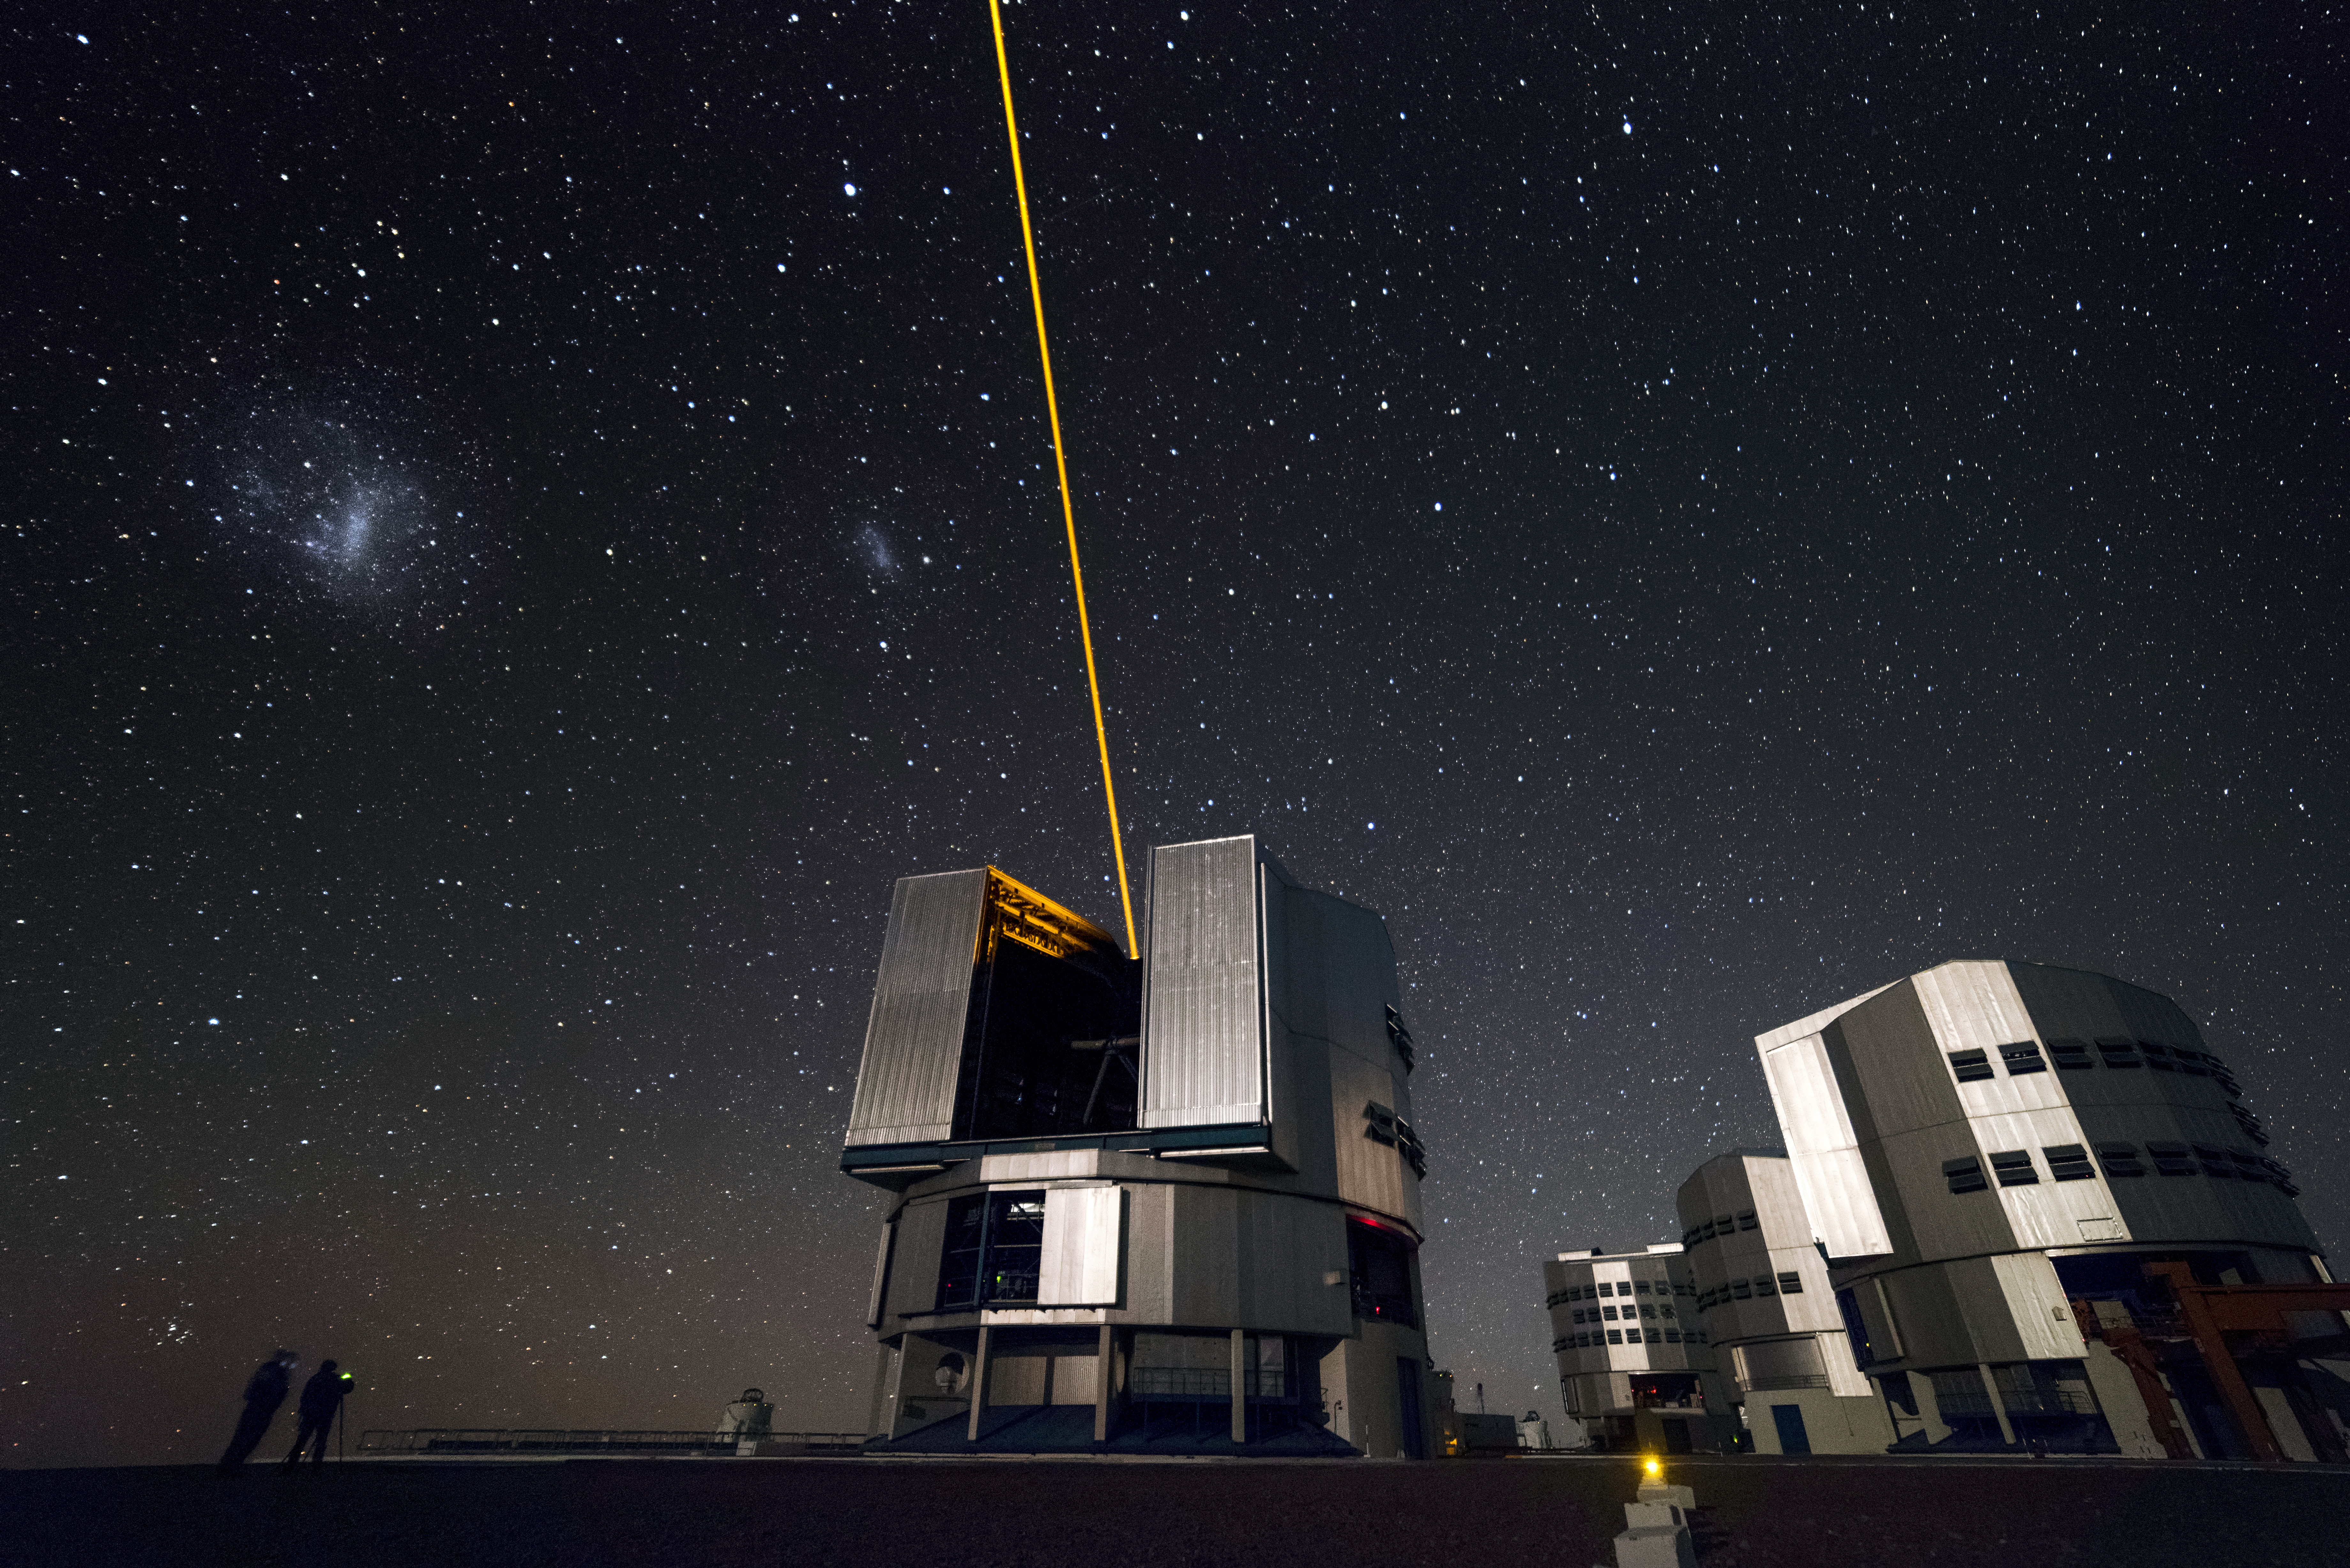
[{"x": 1061, "y": 466}]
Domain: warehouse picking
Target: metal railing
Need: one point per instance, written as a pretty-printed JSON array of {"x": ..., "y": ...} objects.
[
  {"x": 563, "y": 1440},
  {"x": 1202, "y": 1383},
  {"x": 2054, "y": 1402}
]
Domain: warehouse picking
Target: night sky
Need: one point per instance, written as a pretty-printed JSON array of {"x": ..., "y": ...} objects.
[{"x": 523, "y": 521}]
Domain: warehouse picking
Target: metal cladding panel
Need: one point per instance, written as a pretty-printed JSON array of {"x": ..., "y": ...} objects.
[
  {"x": 1370, "y": 1173},
  {"x": 2035, "y": 1300},
  {"x": 913, "y": 1284},
  {"x": 1203, "y": 1058},
  {"x": 913, "y": 1038},
  {"x": 881, "y": 1276},
  {"x": 1974, "y": 1005},
  {"x": 1845, "y": 1379},
  {"x": 1078, "y": 1266},
  {"x": 1822, "y": 1146},
  {"x": 1259, "y": 1261},
  {"x": 1778, "y": 1203},
  {"x": 1150, "y": 1253}
]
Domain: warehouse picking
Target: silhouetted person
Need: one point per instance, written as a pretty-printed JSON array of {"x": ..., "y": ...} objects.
[
  {"x": 262, "y": 1397},
  {"x": 322, "y": 1397}
]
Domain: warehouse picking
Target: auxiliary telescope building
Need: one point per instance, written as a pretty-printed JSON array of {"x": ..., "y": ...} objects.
[{"x": 1165, "y": 1203}]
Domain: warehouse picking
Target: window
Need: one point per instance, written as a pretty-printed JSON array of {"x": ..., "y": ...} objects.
[
  {"x": 1607, "y": 1313},
  {"x": 2214, "y": 1162},
  {"x": 2069, "y": 1162},
  {"x": 2119, "y": 1160},
  {"x": 1615, "y": 1336},
  {"x": 2170, "y": 1158},
  {"x": 1608, "y": 1290},
  {"x": 1672, "y": 1337},
  {"x": 1646, "y": 1310},
  {"x": 2118, "y": 1052},
  {"x": 2021, "y": 1057},
  {"x": 1763, "y": 1286},
  {"x": 2250, "y": 1124},
  {"x": 1741, "y": 1291},
  {"x": 995, "y": 1242},
  {"x": 1666, "y": 1310},
  {"x": 1969, "y": 1065},
  {"x": 1641, "y": 1286},
  {"x": 1964, "y": 1175},
  {"x": 1723, "y": 1224},
  {"x": 2279, "y": 1175},
  {"x": 1747, "y": 1221},
  {"x": 1382, "y": 1272},
  {"x": 1791, "y": 1285},
  {"x": 2072, "y": 1056},
  {"x": 2014, "y": 1169},
  {"x": 2157, "y": 1056}
]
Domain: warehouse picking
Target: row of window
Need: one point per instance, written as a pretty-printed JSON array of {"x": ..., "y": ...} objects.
[
  {"x": 2071, "y": 1162},
  {"x": 1602, "y": 1336},
  {"x": 1786, "y": 1284},
  {"x": 1603, "y": 1289},
  {"x": 2022, "y": 1056},
  {"x": 1628, "y": 1313},
  {"x": 1381, "y": 1124},
  {"x": 1719, "y": 1225}
]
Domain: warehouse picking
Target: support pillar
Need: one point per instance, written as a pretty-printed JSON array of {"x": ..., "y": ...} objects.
[
  {"x": 979, "y": 1377},
  {"x": 1239, "y": 1385},
  {"x": 1103, "y": 1381},
  {"x": 1998, "y": 1404},
  {"x": 2220, "y": 1361}
]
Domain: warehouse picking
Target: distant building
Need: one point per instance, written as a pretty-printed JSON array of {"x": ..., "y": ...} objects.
[
  {"x": 1633, "y": 1364},
  {"x": 1768, "y": 1311},
  {"x": 2051, "y": 1218},
  {"x": 1166, "y": 1203}
]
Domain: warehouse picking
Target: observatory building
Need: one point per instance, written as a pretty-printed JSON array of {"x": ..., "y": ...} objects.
[
  {"x": 1153, "y": 1204},
  {"x": 1763, "y": 1293},
  {"x": 1633, "y": 1365},
  {"x": 2047, "y": 1216}
]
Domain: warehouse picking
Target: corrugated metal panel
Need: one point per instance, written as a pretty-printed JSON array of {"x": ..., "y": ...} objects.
[
  {"x": 1203, "y": 1030},
  {"x": 1079, "y": 1263},
  {"x": 1827, "y": 1156},
  {"x": 913, "y": 1038}
]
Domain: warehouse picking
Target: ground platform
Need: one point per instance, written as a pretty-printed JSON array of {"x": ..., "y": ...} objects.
[{"x": 984, "y": 1513}]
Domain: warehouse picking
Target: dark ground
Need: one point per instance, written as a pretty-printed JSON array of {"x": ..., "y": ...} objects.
[{"x": 1511, "y": 1514}]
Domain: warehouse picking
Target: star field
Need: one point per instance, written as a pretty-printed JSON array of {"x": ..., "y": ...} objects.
[{"x": 524, "y": 520}]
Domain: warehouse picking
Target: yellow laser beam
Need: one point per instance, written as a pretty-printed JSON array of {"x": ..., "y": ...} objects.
[{"x": 1061, "y": 466}]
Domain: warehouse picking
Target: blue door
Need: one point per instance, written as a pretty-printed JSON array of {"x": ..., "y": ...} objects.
[{"x": 1789, "y": 1418}]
